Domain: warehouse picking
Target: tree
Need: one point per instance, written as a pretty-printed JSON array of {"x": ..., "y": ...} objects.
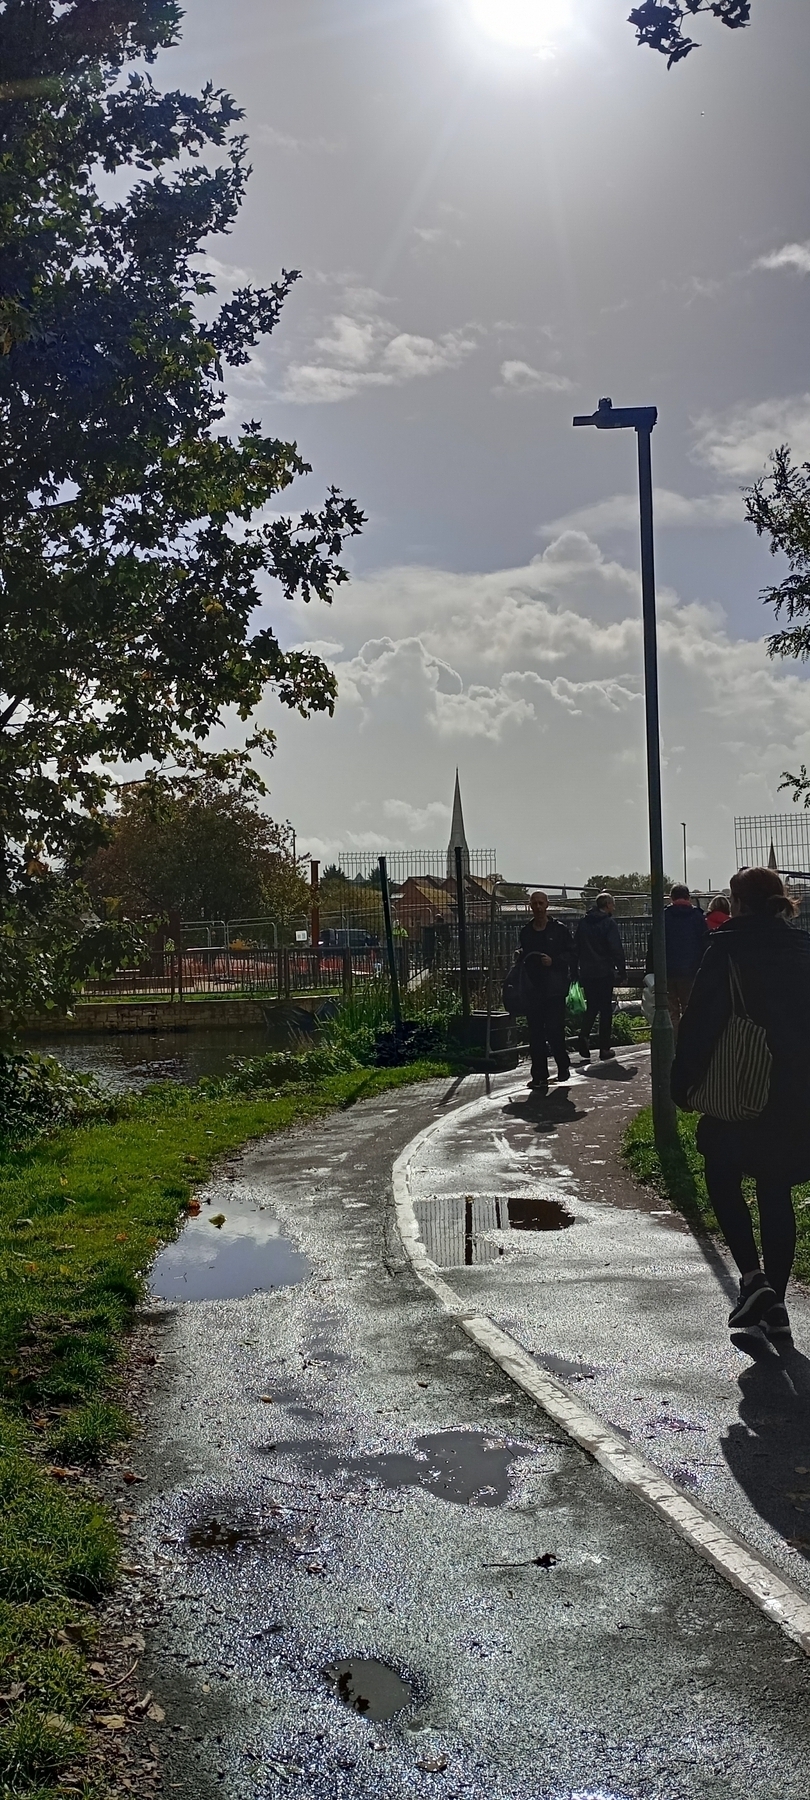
[
  {"x": 135, "y": 542},
  {"x": 196, "y": 843},
  {"x": 778, "y": 505},
  {"x": 659, "y": 23}
]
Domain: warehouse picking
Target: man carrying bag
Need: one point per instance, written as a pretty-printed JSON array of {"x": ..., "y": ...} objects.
[{"x": 600, "y": 958}]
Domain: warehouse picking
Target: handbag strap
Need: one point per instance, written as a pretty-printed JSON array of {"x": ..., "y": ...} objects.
[{"x": 738, "y": 1006}]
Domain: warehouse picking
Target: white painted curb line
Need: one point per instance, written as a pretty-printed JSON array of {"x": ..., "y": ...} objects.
[{"x": 743, "y": 1568}]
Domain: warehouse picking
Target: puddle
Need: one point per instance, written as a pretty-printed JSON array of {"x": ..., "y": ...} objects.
[
  {"x": 570, "y": 1371},
  {"x": 458, "y": 1230},
  {"x": 368, "y": 1686},
  {"x": 216, "y": 1535},
  {"x": 247, "y": 1253},
  {"x": 467, "y": 1468}
]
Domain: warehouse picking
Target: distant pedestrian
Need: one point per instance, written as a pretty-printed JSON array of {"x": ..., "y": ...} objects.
[
  {"x": 686, "y": 939},
  {"x": 718, "y": 913},
  {"x": 548, "y": 960},
  {"x": 771, "y": 964},
  {"x": 600, "y": 963}
]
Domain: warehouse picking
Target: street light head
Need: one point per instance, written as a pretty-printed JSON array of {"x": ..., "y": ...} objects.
[{"x": 619, "y": 418}]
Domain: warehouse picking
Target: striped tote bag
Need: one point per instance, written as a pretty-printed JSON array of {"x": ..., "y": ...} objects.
[{"x": 737, "y": 1082}]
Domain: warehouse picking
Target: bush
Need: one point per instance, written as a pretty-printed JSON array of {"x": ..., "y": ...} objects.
[
  {"x": 415, "y": 1040},
  {"x": 38, "y": 1095},
  {"x": 280, "y": 1069}
]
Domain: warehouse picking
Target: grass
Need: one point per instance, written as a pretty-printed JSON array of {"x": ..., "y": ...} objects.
[
  {"x": 82, "y": 1214},
  {"x": 678, "y": 1174}
]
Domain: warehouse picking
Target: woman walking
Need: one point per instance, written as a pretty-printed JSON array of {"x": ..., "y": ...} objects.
[{"x": 754, "y": 965}]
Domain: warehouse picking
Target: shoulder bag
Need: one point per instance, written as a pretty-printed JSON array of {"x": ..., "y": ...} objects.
[{"x": 737, "y": 1082}]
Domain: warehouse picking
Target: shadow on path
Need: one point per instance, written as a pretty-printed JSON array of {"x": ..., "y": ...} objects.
[{"x": 768, "y": 1451}]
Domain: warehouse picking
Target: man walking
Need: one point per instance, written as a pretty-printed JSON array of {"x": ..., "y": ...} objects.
[
  {"x": 600, "y": 961},
  {"x": 548, "y": 957},
  {"x": 686, "y": 938}
]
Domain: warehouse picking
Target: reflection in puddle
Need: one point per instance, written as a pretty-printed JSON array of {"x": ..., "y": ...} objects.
[
  {"x": 460, "y": 1229},
  {"x": 368, "y": 1686},
  {"x": 216, "y": 1535},
  {"x": 466, "y": 1467},
  {"x": 246, "y": 1254},
  {"x": 571, "y": 1371}
]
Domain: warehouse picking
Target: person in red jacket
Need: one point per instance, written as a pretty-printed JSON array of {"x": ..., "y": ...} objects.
[{"x": 719, "y": 912}]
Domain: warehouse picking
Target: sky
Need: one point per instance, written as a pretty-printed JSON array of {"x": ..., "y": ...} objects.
[{"x": 503, "y": 210}]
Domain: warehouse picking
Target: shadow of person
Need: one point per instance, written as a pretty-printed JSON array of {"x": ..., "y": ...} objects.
[
  {"x": 609, "y": 1071},
  {"x": 768, "y": 1450},
  {"x": 546, "y": 1112}
]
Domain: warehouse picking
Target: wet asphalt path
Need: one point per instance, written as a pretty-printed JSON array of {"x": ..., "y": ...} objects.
[
  {"x": 334, "y": 1472},
  {"x": 625, "y": 1303}
]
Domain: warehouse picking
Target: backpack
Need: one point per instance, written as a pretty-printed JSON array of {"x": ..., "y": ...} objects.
[{"x": 514, "y": 990}]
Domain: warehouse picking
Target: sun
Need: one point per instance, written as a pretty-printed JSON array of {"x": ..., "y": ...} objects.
[{"x": 523, "y": 24}]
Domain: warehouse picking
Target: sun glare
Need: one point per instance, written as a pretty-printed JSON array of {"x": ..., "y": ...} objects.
[{"x": 523, "y": 24}]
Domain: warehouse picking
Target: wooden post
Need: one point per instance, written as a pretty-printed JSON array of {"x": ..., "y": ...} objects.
[
  {"x": 389, "y": 943},
  {"x": 463, "y": 970}
]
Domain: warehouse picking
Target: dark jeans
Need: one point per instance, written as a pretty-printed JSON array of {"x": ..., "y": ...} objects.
[
  {"x": 598, "y": 999},
  {"x": 725, "y": 1165},
  {"x": 546, "y": 1023}
]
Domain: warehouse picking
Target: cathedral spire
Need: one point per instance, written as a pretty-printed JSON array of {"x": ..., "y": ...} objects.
[{"x": 457, "y": 837}]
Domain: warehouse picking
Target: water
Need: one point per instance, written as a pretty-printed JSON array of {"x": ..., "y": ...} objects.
[
  {"x": 226, "y": 1255},
  {"x": 468, "y": 1468},
  {"x": 368, "y": 1686},
  {"x": 128, "y": 1062},
  {"x": 459, "y": 1230}
]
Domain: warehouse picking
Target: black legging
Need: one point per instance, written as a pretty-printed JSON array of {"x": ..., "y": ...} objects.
[{"x": 777, "y": 1222}]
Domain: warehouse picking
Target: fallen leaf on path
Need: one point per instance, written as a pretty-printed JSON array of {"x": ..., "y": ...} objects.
[
  {"x": 130, "y": 1476},
  {"x": 111, "y": 1721},
  {"x": 97, "y": 1668},
  {"x": 267, "y": 1399},
  {"x": 217, "y": 1219},
  {"x": 546, "y": 1561},
  {"x": 155, "y": 1713},
  {"x": 432, "y": 1765},
  {"x": 193, "y": 1207},
  {"x": 135, "y": 1642}
]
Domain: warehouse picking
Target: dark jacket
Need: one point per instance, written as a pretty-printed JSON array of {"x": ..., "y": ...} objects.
[
  {"x": 556, "y": 941},
  {"x": 686, "y": 938},
  {"x": 773, "y": 959},
  {"x": 599, "y": 948}
]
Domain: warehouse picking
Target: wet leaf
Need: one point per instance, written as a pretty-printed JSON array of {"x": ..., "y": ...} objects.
[
  {"x": 432, "y": 1765},
  {"x": 134, "y": 1642},
  {"x": 155, "y": 1713},
  {"x": 130, "y": 1476},
  {"x": 111, "y": 1721},
  {"x": 267, "y": 1399},
  {"x": 217, "y": 1219}
]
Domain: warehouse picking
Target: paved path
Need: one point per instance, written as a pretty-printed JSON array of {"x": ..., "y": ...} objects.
[
  {"x": 333, "y": 1471},
  {"x": 624, "y": 1303}
]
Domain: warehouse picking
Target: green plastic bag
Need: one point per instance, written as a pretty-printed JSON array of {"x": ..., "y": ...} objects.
[{"x": 576, "y": 1001}]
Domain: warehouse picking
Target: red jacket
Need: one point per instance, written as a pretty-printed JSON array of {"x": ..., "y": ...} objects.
[{"x": 715, "y": 919}]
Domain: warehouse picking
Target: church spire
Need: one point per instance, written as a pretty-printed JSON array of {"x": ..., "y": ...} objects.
[{"x": 457, "y": 837}]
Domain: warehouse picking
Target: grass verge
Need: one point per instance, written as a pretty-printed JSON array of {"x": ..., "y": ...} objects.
[
  {"x": 82, "y": 1214},
  {"x": 678, "y": 1174}
]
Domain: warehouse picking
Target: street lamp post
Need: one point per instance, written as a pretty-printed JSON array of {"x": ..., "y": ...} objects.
[
  {"x": 641, "y": 419},
  {"x": 683, "y": 829}
]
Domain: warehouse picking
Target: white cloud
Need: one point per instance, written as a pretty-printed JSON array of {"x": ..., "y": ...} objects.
[
  {"x": 428, "y": 823},
  {"x": 293, "y": 146},
  {"x": 791, "y": 256},
  {"x": 521, "y": 378},
  {"x": 531, "y": 679},
  {"x": 363, "y": 349},
  {"x": 620, "y": 512},
  {"x": 738, "y": 443}
]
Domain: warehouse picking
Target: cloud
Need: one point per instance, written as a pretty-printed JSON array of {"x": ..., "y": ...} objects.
[
  {"x": 620, "y": 512},
  {"x": 293, "y": 146},
  {"x": 361, "y": 348},
  {"x": 791, "y": 256},
  {"x": 521, "y": 378},
  {"x": 426, "y": 822},
  {"x": 738, "y": 443},
  {"x": 531, "y": 679}
]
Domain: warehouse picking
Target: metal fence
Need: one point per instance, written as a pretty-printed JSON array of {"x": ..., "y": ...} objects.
[
  {"x": 778, "y": 840},
  {"x": 340, "y": 946}
]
